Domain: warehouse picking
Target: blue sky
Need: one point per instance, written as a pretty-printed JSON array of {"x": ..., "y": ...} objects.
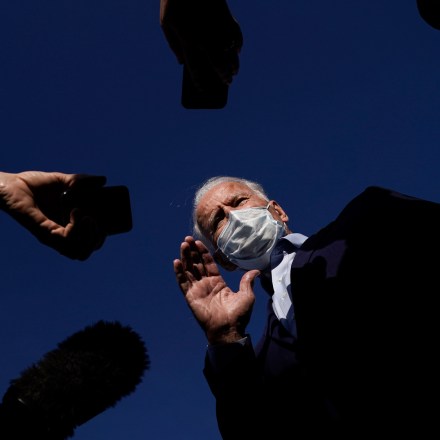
[{"x": 331, "y": 97}]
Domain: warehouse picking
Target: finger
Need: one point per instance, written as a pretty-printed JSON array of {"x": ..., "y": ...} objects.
[
  {"x": 192, "y": 250},
  {"x": 225, "y": 59},
  {"x": 82, "y": 236},
  {"x": 66, "y": 246},
  {"x": 208, "y": 71},
  {"x": 226, "y": 64},
  {"x": 66, "y": 180},
  {"x": 82, "y": 181},
  {"x": 195, "y": 253},
  {"x": 247, "y": 282},
  {"x": 182, "y": 280},
  {"x": 209, "y": 265},
  {"x": 200, "y": 69},
  {"x": 191, "y": 260},
  {"x": 186, "y": 256}
]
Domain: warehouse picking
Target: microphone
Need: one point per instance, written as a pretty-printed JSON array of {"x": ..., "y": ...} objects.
[
  {"x": 86, "y": 374},
  {"x": 429, "y": 10}
]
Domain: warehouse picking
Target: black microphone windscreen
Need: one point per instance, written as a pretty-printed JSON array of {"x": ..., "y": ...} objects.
[
  {"x": 429, "y": 10},
  {"x": 86, "y": 374}
]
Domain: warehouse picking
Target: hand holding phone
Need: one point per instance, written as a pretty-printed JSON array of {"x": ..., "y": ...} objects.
[{"x": 206, "y": 40}]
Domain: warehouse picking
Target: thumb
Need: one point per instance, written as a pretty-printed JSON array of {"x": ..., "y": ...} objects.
[
  {"x": 88, "y": 181},
  {"x": 247, "y": 281}
]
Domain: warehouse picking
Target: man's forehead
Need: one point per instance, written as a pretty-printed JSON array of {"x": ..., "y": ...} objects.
[{"x": 223, "y": 192}]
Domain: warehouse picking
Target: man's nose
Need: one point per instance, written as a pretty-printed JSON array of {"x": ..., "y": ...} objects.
[{"x": 227, "y": 210}]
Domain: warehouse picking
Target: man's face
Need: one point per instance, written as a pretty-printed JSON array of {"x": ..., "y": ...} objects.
[{"x": 213, "y": 210}]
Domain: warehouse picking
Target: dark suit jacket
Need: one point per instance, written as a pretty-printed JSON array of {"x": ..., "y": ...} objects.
[
  {"x": 363, "y": 290},
  {"x": 264, "y": 393}
]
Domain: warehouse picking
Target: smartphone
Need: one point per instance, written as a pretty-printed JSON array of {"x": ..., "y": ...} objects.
[
  {"x": 214, "y": 94},
  {"x": 109, "y": 205}
]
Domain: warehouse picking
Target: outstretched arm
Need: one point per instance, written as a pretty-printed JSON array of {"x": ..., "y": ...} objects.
[
  {"x": 32, "y": 198},
  {"x": 234, "y": 377},
  {"x": 222, "y": 313}
]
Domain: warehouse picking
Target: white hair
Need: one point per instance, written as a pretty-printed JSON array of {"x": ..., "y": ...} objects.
[{"x": 209, "y": 184}]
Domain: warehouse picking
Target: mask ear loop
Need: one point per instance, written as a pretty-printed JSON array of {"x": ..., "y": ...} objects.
[
  {"x": 218, "y": 253},
  {"x": 284, "y": 223}
]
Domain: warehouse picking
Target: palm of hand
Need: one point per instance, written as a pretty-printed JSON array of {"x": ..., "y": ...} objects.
[{"x": 222, "y": 313}]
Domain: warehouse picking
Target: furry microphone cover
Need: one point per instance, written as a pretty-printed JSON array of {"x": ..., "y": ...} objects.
[
  {"x": 86, "y": 374},
  {"x": 429, "y": 10}
]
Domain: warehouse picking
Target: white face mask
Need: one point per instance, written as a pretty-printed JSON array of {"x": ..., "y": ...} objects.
[{"x": 249, "y": 237}]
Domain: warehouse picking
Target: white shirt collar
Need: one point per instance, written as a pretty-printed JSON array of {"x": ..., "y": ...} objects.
[{"x": 282, "y": 296}]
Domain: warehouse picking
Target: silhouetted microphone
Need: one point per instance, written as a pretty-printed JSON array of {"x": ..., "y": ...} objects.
[{"x": 86, "y": 374}]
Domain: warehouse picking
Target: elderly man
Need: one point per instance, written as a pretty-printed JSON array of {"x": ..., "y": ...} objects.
[{"x": 351, "y": 329}]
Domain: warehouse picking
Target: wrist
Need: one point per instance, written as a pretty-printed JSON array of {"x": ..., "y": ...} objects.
[{"x": 227, "y": 337}]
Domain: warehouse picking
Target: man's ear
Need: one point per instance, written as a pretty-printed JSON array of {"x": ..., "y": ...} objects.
[
  {"x": 280, "y": 211},
  {"x": 220, "y": 259}
]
